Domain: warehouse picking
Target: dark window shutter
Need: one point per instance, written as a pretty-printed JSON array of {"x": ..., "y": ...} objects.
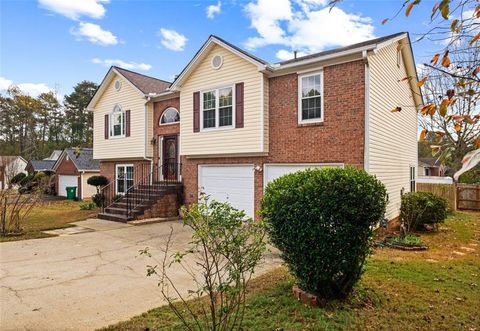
[
  {"x": 239, "y": 105},
  {"x": 106, "y": 127},
  {"x": 196, "y": 112},
  {"x": 127, "y": 123}
]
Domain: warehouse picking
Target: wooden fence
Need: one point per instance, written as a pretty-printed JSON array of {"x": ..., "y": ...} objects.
[
  {"x": 468, "y": 196},
  {"x": 447, "y": 191}
]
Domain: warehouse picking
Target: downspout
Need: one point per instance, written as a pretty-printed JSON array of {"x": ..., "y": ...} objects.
[
  {"x": 146, "y": 136},
  {"x": 366, "y": 147}
]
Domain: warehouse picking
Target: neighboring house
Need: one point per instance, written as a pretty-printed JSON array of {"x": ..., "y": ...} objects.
[
  {"x": 10, "y": 165},
  {"x": 430, "y": 166},
  {"x": 74, "y": 170},
  {"x": 35, "y": 166},
  {"x": 231, "y": 122},
  {"x": 54, "y": 155}
]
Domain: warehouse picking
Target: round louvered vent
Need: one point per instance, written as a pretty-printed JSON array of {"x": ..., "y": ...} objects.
[{"x": 217, "y": 61}]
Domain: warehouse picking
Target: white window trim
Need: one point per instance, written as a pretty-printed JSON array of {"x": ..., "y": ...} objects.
[
  {"x": 217, "y": 105},
  {"x": 299, "y": 106},
  {"x": 110, "y": 129},
  {"x": 116, "y": 175},
  {"x": 163, "y": 113}
]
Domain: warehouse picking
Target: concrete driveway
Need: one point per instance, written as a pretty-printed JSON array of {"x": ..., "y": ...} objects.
[{"x": 87, "y": 280}]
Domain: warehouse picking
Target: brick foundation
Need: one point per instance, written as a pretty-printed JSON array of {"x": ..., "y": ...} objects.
[{"x": 165, "y": 207}]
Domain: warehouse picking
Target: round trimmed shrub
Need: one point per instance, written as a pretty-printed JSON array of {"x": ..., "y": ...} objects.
[
  {"x": 322, "y": 221},
  {"x": 97, "y": 181},
  {"x": 421, "y": 208},
  {"x": 27, "y": 179}
]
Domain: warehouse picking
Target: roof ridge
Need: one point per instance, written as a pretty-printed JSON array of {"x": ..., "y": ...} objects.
[
  {"x": 350, "y": 46},
  {"x": 137, "y": 73}
]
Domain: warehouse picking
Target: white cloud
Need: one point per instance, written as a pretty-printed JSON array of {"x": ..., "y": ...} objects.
[
  {"x": 74, "y": 9},
  {"x": 122, "y": 64},
  {"x": 284, "y": 55},
  {"x": 212, "y": 10},
  {"x": 305, "y": 25},
  {"x": 173, "y": 40},
  {"x": 95, "y": 34},
  {"x": 33, "y": 89}
]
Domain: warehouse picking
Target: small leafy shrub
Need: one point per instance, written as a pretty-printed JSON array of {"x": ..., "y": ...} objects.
[
  {"x": 17, "y": 178},
  {"x": 88, "y": 206},
  {"x": 98, "y": 199},
  {"x": 97, "y": 181},
  {"x": 27, "y": 179},
  {"x": 322, "y": 220},
  {"x": 409, "y": 239},
  {"x": 225, "y": 249},
  {"x": 421, "y": 208}
]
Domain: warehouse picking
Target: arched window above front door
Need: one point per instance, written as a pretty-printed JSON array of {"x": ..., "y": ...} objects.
[{"x": 170, "y": 116}]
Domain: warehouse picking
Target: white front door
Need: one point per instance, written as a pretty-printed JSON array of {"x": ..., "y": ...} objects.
[
  {"x": 65, "y": 181},
  {"x": 229, "y": 183},
  {"x": 124, "y": 178}
]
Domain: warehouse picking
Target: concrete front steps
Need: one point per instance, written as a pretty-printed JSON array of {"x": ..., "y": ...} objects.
[{"x": 156, "y": 201}]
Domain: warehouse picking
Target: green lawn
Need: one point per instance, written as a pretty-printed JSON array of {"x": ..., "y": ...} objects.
[
  {"x": 49, "y": 216},
  {"x": 437, "y": 289}
]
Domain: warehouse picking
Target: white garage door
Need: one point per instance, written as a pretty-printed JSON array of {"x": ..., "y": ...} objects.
[
  {"x": 273, "y": 171},
  {"x": 64, "y": 181},
  {"x": 233, "y": 184}
]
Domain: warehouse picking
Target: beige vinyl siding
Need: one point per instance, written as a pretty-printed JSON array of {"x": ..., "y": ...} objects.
[
  {"x": 392, "y": 137},
  {"x": 126, "y": 147},
  {"x": 226, "y": 141},
  {"x": 88, "y": 190}
]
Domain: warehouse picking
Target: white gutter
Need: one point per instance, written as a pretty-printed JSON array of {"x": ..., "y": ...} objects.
[
  {"x": 366, "y": 147},
  {"x": 325, "y": 57},
  {"x": 146, "y": 135}
]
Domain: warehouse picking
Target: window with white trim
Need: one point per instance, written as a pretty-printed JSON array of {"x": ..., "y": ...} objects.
[
  {"x": 412, "y": 179},
  {"x": 310, "y": 98},
  {"x": 170, "y": 116},
  {"x": 117, "y": 122},
  {"x": 217, "y": 108}
]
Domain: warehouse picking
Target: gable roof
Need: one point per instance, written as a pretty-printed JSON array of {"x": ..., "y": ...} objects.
[
  {"x": 7, "y": 159},
  {"x": 144, "y": 83},
  {"x": 214, "y": 40},
  {"x": 83, "y": 162},
  {"x": 429, "y": 162},
  {"x": 42, "y": 165}
]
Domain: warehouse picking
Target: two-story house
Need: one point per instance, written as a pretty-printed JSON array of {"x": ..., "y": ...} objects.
[{"x": 231, "y": 122}]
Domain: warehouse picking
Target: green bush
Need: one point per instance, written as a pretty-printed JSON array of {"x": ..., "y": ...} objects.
[
  {"x": 87, "y": 206},
  {"x": 420, "y": 208},
  {"x": 27, "y": 179},
  {"x": 17, "y": 178},
  {"x": 98, "y": 199},
  {"x": 322, "y": 221}
]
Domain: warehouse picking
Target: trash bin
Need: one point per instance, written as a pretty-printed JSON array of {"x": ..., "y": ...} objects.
[{"x": 71, "y": 192}]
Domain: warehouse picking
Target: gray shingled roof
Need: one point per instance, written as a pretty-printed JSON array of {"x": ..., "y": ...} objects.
[
  {"x": 85, "y": 160},
  {"x": 343, "y": 49},
  {"x": 429, "y": 161},
  {"x": 146, "y": 84},
  {"x": 42, "y": 165}
]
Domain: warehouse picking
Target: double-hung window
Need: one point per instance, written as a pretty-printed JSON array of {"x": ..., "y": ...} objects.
[
  {"x": 217, "y": 108},
  {"x": 117, "y": 122},
  {"x": 310, "y": 98}
]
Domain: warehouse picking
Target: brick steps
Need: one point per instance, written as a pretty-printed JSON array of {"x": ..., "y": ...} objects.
[{"x": 157, "y": 200}]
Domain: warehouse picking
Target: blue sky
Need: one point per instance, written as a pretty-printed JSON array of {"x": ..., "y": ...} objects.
[{"x": 48, "y": 44}]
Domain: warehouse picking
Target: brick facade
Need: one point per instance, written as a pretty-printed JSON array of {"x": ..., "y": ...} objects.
[
  {"x": 166, "y": 207},
  {"x": 67, "y": 167},
  {"x": 108, "y": 168},
  {"x": 163, "y": 130},
  {"x": 339, "y": 139}
]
